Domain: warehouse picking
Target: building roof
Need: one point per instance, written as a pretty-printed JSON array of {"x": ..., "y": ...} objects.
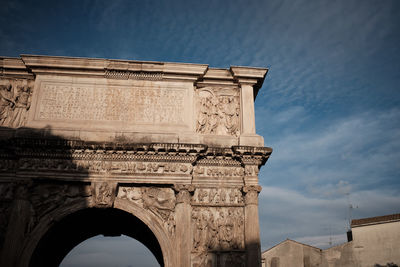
[
  {"x": 375, "y": 220},
  {"x": 292, "y": 241}
]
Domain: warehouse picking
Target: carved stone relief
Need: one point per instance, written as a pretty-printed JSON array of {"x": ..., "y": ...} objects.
[
  {"x": 218, "y": 197},
  {"x": 103, "y": 193},
  {"x": 218, "y": 229},
  {"x": 218, "y": 111},
  {"x": 251, "y": 170},
  {"x": 160, "y": 201},
  {"x": 126, "y": 104},
  {"x": 117, "y": 167},
  {"x": 45, "y": 198},
  {"x": 217, "y": 171},
  {"x": 15, "y": 101},
  {"x": 133, "y": 75}
]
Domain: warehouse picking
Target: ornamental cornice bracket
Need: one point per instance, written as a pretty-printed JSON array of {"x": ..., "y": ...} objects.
[
  {"x": 250, "y": 155},
  {"x": 249, "y": 76},
  {"x": 218, "y": 152},
  {"x": 78, "y": 146},
  {"x": 14, "y": 68}
]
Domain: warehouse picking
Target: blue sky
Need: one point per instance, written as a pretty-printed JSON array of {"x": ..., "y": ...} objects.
[{"x": 330, "y": 105}]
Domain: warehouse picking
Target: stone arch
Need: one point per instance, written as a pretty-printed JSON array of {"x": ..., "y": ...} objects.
[{"x": 125, "y": 218}]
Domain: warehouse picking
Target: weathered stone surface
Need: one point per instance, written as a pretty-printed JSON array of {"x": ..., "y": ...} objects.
[{"x": 170, "y": 148}]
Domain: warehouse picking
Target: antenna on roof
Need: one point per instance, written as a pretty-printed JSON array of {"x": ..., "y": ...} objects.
[{"x": 350, "y": 210}]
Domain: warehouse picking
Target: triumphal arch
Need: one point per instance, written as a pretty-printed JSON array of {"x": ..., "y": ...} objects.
[{"x": 166, "y": 153}]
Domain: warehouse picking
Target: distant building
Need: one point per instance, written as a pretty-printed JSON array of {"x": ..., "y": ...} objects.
[{"x": 373, "y": 242}]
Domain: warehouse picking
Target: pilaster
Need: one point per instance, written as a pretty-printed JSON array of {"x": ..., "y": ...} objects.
[
  {"x": 252, "y": 227},
  {"x": 17, "y": 228},
  {"x": 183, "y": 231},
  {"x": 247, "y": 108}
]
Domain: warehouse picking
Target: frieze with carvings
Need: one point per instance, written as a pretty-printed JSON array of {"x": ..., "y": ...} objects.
[
  {"x": 218, "y": 111},
  {"x": 218, "y": 197},
  {"x": 101, "y": 166},
  {"x": 160, "y": 201},
  {"x": 112, "y": 103},
  {"x": 15, "y": 102},
  {"x": 217, "y": 171}
]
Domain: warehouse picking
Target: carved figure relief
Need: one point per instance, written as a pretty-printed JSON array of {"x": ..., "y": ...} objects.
[
  {"x": 103, "y": 193},
  {"x": 218, "y": 111},
  {"x": 218, "y": 196},
  {"x": 160, "y": 201},
  {"x": 47, "y": 197},
  {"x": 217, "y": 229},
  {"x": 15, "y": 98},
  {"x": 251, "y": 170}
]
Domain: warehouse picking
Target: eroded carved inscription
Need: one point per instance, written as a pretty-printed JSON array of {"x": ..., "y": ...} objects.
[{"x": 127, "y": 104}]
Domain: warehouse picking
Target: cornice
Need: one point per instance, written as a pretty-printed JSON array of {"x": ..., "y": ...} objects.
[
  {"x": 24, "y": 146},
  {"x": 27, "y": 66},
  {"x": 14, "y": 68},
  {"x": 252, "y": 76}
]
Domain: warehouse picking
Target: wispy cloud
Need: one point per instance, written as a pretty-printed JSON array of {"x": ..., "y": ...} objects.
[
  {"x": 316, "y": 220},
  {"x": 315, "y": 174},
  {"x": 362, "y": 149}
]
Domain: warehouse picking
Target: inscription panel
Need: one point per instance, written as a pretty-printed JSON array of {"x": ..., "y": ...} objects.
[{"x": 133, "y": 104}]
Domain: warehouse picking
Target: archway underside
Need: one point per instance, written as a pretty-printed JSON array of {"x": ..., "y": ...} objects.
[{"x": 84, "y": 224}]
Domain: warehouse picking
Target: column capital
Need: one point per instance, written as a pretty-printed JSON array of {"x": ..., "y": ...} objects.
[
  {"x": 251, "y": 194},
  {"x": 183, "y": 192}
]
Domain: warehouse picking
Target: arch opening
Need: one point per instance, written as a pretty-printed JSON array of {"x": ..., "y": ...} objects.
[
  {"x": 105, "y": 251},
  {"x": 75, "y": 228}
]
